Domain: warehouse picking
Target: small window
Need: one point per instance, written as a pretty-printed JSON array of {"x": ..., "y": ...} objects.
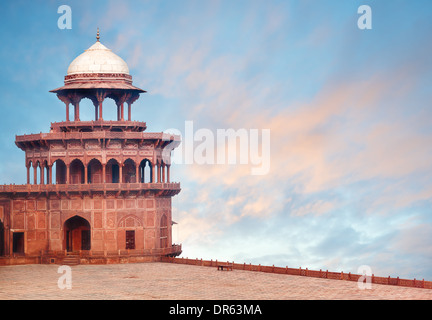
[
  {"x": 18, "y": 242},
  {"x": 130, "y": 239}
]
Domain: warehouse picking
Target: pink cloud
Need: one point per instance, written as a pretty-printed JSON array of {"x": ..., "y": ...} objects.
[{"x": 340, "y": 137}]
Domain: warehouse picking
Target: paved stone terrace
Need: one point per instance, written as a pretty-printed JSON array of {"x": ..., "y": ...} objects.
[{"x": 166, "y": 281}]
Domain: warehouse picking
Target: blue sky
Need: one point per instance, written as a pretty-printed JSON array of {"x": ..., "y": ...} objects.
[{"x": 349, "y": 113}]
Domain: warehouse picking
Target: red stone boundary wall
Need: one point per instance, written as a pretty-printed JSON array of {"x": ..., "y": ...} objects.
[{"x": 303, "y": 272}]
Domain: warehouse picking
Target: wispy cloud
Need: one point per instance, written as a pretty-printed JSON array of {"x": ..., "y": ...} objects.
[{"x": 349, "y": 116}]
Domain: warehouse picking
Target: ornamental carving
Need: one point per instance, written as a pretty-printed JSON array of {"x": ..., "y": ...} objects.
[
  {"x": 98, "y": 75},
  {"x": 92, "y": 145},
  {"x": 74, "y": 145}
]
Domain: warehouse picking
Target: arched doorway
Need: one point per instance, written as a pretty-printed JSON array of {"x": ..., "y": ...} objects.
[
  {"x": 77, "y": 234},
  {"x": 94, "y": 171},
  {"x": 144, "y": 173},
  {"x": 59, "y": 172},
  {"x": 112, "y": 171},
  {"x": 129, "y": 172},
  {"x": 76, "y": 172}
]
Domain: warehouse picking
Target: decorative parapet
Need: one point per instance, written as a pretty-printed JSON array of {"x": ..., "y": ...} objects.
[
  {"x": 174, "y": 250},
  {"x": 168, "y": 188},
  {"x": 96, "y": 135},
  {"x": 98, "y": 125},
  {"x": 304, "y": 272}
]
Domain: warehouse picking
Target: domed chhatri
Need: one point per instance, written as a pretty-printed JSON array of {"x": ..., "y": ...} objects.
[
  {"x": 98, "y": 59},
  {"x": 97, "y": 191},
  {"x": 96, "y": 74}
]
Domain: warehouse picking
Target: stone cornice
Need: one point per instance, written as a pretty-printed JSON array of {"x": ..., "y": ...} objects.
[{"x": 157, "y": 189}]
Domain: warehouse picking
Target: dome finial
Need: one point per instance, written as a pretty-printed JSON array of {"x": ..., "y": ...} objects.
[{"x": 97, "y": 35}]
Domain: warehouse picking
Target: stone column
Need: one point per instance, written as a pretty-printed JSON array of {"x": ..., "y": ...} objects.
[
  {"x": 41, "y": 178},
  {"x": 96, "y": 112},
  {"x": 66, "y": 101},
  {"x": 28, "y": 174},
  {"x": 130, "y": 99},
  {"x": 100, "y": 97},
  {"x": 77, "y": 117},
  {"x": 35, "y": 173},
  {"x": 120, "y": 100},
  {"x": 100, "y": 111},
  {"x": 104, "y": 172},
  {"x": 120, "y": 172},
  {"x": 67, "y": 173},
  {"x": 67, "y": 111},
  {"x": 85, "y": 174},
  {"x": 75, "y": 99},
  {"x": 137, "y": 174},
  {"x": 49, "y": 174}
]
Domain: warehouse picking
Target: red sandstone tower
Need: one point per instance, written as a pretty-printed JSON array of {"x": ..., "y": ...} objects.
[{"x": 98, "y": 191}]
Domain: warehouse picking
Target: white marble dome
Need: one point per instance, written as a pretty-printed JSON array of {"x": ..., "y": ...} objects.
[{"x": 98, "y": 59}]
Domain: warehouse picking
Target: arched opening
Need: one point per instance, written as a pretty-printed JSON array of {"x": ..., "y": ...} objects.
[
  {"x": 47, "y": 173},
  {"x": 112, "y": 171},
  {"x": 145, "y": 171},
  {"x": 162, "y": 172},
  {"x": 110, "y": 109},
  {"x": 59, "y": 172},
  {"x": 77, "y": 234},
  {"x": 87, "y": 110},
  {"x": 30, "y": 173},
  {"x": 70, "y": 112},
  {"x": 76, "y": 172},
  {"x": 37, "y": 172},
  {"x": 129, "y": 171},
  {"x": 158, "y": 172},
  {"x": 94, "y": 171},
  {"x": 163, "y": 232}
]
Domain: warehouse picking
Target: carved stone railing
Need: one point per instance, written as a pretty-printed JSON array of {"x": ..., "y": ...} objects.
[
  {"x": 123, "y": 187},
  {"x": 172, "y": 251},
  {"x": 99, "y": 124},
  {"x": 347, "y": 276},
  {"x": 97, "y": 135}
]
